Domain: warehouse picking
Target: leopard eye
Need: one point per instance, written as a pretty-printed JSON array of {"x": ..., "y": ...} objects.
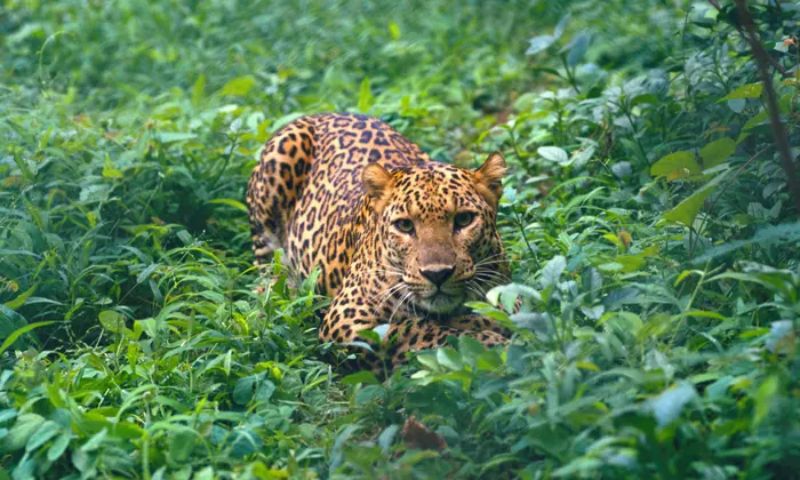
[
  {"x": 404, "y": 225},
  {"x": 463, "y": 220}
]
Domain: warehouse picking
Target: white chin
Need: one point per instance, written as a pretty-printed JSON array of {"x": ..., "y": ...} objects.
[{"x": 441, "y": 303}]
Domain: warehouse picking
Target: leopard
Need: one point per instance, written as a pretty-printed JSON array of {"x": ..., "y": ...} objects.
[{"x": 399, "y": 241}]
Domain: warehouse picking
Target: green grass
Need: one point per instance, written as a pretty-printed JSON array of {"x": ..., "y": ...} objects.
[{"x": 653, "y": 241}]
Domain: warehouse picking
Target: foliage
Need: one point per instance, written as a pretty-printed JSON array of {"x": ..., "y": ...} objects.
[{"x": 655, "y": 249}]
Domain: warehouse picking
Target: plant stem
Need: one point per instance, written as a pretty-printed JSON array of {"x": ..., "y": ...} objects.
[
  {"x": 572, "y": 80},
  {"x": 626, "y": 108},
  {"x": 749, "y": 33},
  {"x": 521, "y": 226}
]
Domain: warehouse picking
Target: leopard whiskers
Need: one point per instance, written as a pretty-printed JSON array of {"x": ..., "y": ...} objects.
[
  {"x": 492, "y": 259},
  {"x": 490, "y": 277},
  {"x": 382, "y": 296},
  {"x": 475, "y": 289},
  {"x": 492, "y": 268},
  {"x": 414, "y": 309},
  {"x": 483, "y": 280},
  {"x": 484, "y": 270},
  {"x": 387, "y": 293},
  {"x": 491, "y": 263},
  {"x": 399, "y": 304}
]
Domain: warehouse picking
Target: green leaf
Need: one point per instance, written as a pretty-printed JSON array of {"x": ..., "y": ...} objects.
[
  {"x": 668, "y": 405},
  {"x": 109, "y": 170},
  {"x": 506, "y": 295},
  {"x": 386, "y": 437},
  {"x": 364, "y": 376},
  {"x": 580, "y": 467},
  {"x": 763, "y": 398},
  {"x": 199, "y": 89},
  {"x": 243, "y": 391},
  {"x": 777, "y": 281},
  {"x": 554, "y": 154},
  {"x": 624, "y": 321},
  {"x": 170, "y": 137},
  {"x": 10, "y": 320},
  {"x": 339, "y": 444},
  {"x": 21, "y": 298},
  {"x": 230, "y": 202},
  {"x": 781, "y": 337},
  {"x": 365, "y": 98},
  {"x": 686, "y": 211},
  {"x": 552, "y": 270},
  {"x": 675, "y": 165},
  {"x": 748, "y": 90},
  {"x": 645, "y": 98},
  {"x": 25, "y": 426},
  {"x": 717, "y": 152},
  {"x": 489, "y": 361},
  {"x": 285, "y": 120},
  {"x": 47, "y": 430},
  {"x": 449, "y": 358},
  {"x": 786, "y": 233},
  {"x": 264, "y": 390},
  {"x": 181, "y": 443},
  {"x": 543, "y": 42},
  {"x": 760, "y": 118},
  {"x": 59, "y": 446},
  {"x": 245, "y": 441},
  {"x": 112, "y": 321},
  {"x": 22, "y": 331},
  {"x": 382, "y": 331},
  {"x": 470, "y": 348},
  {"x": 7, "y": 414},
  {"x": 370, "y": 336},
  {"x": 127, "y": 430},
  {"x": 95, "y": 441},
  {"x": 394, "y": 30},
  {"x": 539, "y": 44},
  {"x": 577, "y": 48},
  {"x": 239, "y": 86}
]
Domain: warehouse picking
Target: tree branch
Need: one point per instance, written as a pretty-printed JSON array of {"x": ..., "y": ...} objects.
[
  {"x": 775, "y": 64},
  {"x": 762, "y": 58}
]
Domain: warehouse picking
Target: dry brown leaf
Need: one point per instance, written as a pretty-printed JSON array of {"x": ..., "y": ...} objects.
[{"x": 416, "y": 435}]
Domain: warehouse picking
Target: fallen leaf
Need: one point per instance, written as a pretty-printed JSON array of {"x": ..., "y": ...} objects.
[{"x": 418, "y": 436}]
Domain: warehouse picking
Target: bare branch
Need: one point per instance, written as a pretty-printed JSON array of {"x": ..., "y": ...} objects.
[{"x": 749, "y": 33}]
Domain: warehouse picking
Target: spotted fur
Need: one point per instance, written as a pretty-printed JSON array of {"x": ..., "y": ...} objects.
[{"x": 399, "y": 239}]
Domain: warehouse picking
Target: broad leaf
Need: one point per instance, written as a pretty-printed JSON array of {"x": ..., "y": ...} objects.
[
  {"x": 748, "y": 90},
  {"x": 554, "y": 154},
  {"x": 675, "y": 165},
  {"x": 717, "y": 152},
  {"x": 668, "y": 406},
  {"x": 686, "y": 211},
  {"x": 239, "y": 86},
  {"x": 539, "y": 44}
]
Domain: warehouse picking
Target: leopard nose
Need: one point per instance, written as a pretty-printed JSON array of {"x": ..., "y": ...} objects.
[{"x": 437, "y": 274}]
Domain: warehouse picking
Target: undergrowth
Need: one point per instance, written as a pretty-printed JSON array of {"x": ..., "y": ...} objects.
[{"x": 654, "y": 243}]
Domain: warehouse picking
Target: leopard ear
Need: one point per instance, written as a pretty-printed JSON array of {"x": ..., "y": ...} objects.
[
  {"x": 377, "y": 182},
  {"x": 489, "y": 177}
]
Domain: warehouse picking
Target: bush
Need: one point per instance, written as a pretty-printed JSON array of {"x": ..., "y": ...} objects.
[{"x": 654, "y": 242}]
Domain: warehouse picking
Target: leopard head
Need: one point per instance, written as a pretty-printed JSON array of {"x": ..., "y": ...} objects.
[{"x": 437, "y": 240}]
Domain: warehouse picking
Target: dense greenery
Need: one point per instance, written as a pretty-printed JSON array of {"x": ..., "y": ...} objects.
[{"x": 654, "y": 242}]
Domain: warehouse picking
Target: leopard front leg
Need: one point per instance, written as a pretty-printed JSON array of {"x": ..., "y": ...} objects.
[
  {"x": 347, "y": 317},
  {"x": 475, "y": 323},
  {"x": 356, "y": 308},
  {"x": 425, "y": 335}
]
